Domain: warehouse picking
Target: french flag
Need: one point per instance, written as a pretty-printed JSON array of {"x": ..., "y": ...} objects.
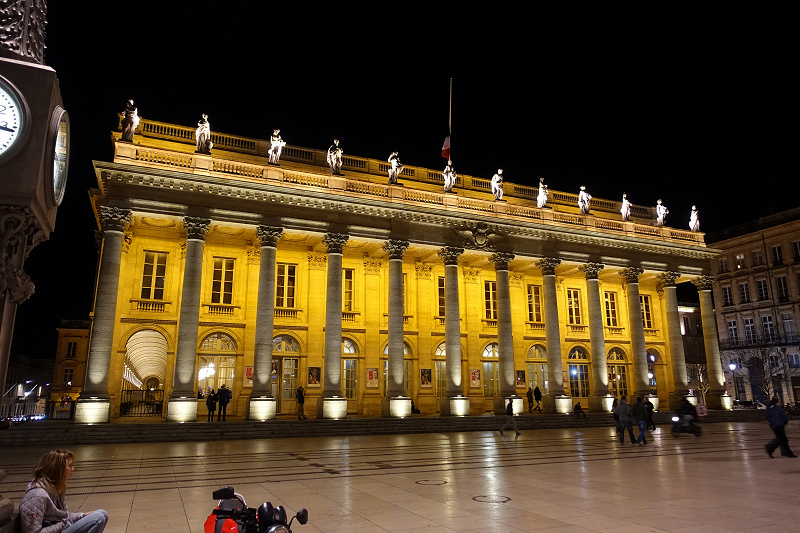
[{"x": 446, "y": 148}]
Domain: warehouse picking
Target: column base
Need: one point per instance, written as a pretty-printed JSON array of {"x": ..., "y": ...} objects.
[
  {"x": 262, "y": 408},
  {"x": 182, "y": 409},
  {"x": 719, "y": 400},
  {"x": 454, "y": 406},
  {"x": 517, "y": 404},
  {"x": 333, "y": 408},
  {"x": 396, "y": 407},
  {"x": 92, "y": 410},
  {"x": 601, "y": 404},
  {"x": 561, "y": 404}
]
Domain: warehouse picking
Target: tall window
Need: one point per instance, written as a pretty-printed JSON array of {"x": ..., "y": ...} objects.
[
  {"x": 537, "y": 368},
  {"x": 215, "y": 368},
  {"x": 347, "y": 289},
  {"x": 154, "y": 275},
  {"x": 727, "y": 296},
  {"x": 686, "y": 326},
  {"x": 796, "y": 251},
  {"x": 611, "y": 309},
  {"x": 758, "y": 257},
  {"x": 222, "y": 281},
  {"x": 491, "y": 370},
  {"x": 578, "y": 373},
  {"x": 406, "y": 370},
  {"x": 788, "y": 325},
  {"x": 777, "y": 255},
  {"x": 441, "y": 296},
  {"x": 749, "y": 330},
  {"x": 647, "y": 320},
  {"x": 651, "y": 371},
  {"x": 744, "y": 293},
  {"x": 574, "y": 306},
  {"x": 733, "y": 332},
  {"x": 349, "y": 370},
  {"x": 763, "y": 290},
  {"x": 69, "y": 375},
  {"x": 72, "y": 350},
  {"x": 285, "y": 283},
  {"x": 768, "y": 328},
  {"x": 490, "y": 299},
  {"x": 740, "y": 262},
  {"x": 534, "y": 303},
  {"x": 617, "y": 380},
  {"x": 783, "y": 288},
  {"x": 723, "y": 265}
]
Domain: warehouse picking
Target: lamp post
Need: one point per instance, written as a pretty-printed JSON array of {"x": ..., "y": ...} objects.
[{"x": 732, "y": 366}]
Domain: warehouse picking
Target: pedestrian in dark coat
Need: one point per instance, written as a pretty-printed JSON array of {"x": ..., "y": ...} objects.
[
  {"x": 211, "y": 404},
  {"x": 778, "y": 419},
  {"x": 224, "y": 397},
  {"x": 530, "y": 399},
  {"x": 537, "y": 395},
  {"x": 301, "y": 400},
  {"x": 639, "y": 412},
  {"x": 650, "y": 409}
]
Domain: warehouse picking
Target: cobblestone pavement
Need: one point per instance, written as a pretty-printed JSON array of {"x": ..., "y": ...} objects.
[{"x": 560, "y": 480}]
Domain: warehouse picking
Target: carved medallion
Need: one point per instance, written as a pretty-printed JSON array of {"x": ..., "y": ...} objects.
[
  {"x": 372, "y": 265},
  {"x": 317, "y": 261},
  {"x": 479, "y": 238},
  {"x": 423, "y": 270}
]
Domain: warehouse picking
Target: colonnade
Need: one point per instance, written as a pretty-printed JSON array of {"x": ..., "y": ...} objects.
[{"x": 94, "y": 400}]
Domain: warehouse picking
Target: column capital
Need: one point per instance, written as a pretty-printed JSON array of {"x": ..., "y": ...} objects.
[
  {"x": 196, "y": 228},
  {"x": 591, "y": 270},
  {"x": 668, "y": 279},
  {"x": 269, "y": 235},
  {"x": 703, "y": 283},
  {"x": 395, "y": 248},
  {"x": 548, "y": 265},
  {"x": 114, "y": 218},
  {"x": 450, "y": 254},
  {"x": 501, "y": 260},
  {"x": 631, "y": 275},
  {"x": 335, "y": 242}
]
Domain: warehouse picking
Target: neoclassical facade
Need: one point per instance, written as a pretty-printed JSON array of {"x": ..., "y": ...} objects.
[{"x": 223, "y": 268}]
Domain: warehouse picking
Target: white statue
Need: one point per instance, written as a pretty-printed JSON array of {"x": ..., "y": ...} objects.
[
  {"x": 395, "y": 169},
  {"x": 584, "y": 198},
  {"x": 694, "y": 219},
  {"x": 335, "y": 157},
  {"x": 449, "y": 176},
  {"x": 625, "y": 211},
  {"x": 275, "y": 147},
  {"x": 541, "y": 200},
  {"x": 203, "y": 136},
  {"x": 497, "y": 184},
  {"x": 661, "y": 213},
  {"x": 130, "y": 120}
]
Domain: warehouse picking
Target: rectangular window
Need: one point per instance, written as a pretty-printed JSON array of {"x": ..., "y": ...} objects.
[
  {"x": 782, "y": 286},
  {"x": 727, "y": 296},
  {"x": 686, "y": 327},
  {"x": 69, "y": 375},
  {"x": 758, "y": 258},
  {"x": 534, "y": 303},
  {"x": 347, "y": 289},
  {"x": 762, "y": 289},
  {"x": 214, "y": 371},
  {"x": 788, "y": 326},
  {"x": 579, "y": 380},
  {"x": 647, "y": 320},
  {"x": 617, "y": 381},
  {"x": 405, "y": 294},
  {"x": 285, "y": 284},
  {"x": 733, "y": 332},
  {"x": 611, "y": 309},
  {"x": 222, "y": 281},
  {"x": 723, "y": 265},
  {"x": 777, "y": 255},
  {"x": 796, "y": 251},
  {"x": 490, "y": 299},
  {"x": 574, "y": 306},
  {"x": 72, "y": 350},
  {"x": 740, "y": 263},
  {"x": 440, "y": 377},
  {"x": 744, "y": 293},
  {"x": 153, "y": 275},
  {"x": 768, "y": 328},
  {"x": 537, "y": 376},
  {"x": 749, "y": 330},
  {"x": 794, "y": 360},
  {"x": 441, "y": 296}
]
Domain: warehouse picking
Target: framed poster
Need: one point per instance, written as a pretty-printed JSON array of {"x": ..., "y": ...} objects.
[
  {"x": 313, "y": 376},
  {"x": 248, "y": 376},
  {"x": 521, "y": 378},
  {"x": 372, "y": 378},
  {"x": 425, "y": 377},
  {"x": 475, "y": 378}
]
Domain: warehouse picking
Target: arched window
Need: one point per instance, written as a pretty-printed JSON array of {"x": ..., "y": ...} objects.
[
  {"x": 578, "y": 373},
  {"x": 617, "y": 378},
  {"x": 441, "y": 350},
  {"x": 285, "y": 343},
  {"x": 216, "y": 362},
  {"x": 218, "y": 341},
  {"x": 491, "y": 351},
  {"x": 537, "y": 370},
  {"x": 652, "y": 357}
]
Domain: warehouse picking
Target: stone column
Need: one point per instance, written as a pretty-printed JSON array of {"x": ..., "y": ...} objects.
[
  {"x": 397, "y": 404},
  {"x": 455, "y": 403},
  {"x": 641, "y": 383},
  {"x": 505, "y": 338},
  {"x": 717, "y": 397},
  {"x": 182, "y": 404},
  {"x": 556, "y": 400},
  {"x": 93, "y": 403},
  {"x": 262, "y": 405},
  {"x": 677, "y": 357},
  {"x": 333, "y": 404},
  {"x": 600, "y": 401}
]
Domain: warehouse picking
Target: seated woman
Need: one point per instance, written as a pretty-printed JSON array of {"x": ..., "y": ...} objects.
[{"x": 43, "y": 508}]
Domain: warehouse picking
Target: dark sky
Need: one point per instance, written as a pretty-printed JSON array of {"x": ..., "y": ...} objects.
[{"x": 691, "y": 102}]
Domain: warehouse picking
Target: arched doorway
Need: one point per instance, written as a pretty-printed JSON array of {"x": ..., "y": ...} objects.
[
  {"x": 537, "y": 368},
  {"x": 143, "y": 375},
  {"x": 578, "y": 374},
  {"x": 216, "y": 363},
  {"x": 617, "y": 375},
  {"x": 350, "y": 374},
  {"x": 491, "y": 372},
  {"x": 285, "y": 372}
]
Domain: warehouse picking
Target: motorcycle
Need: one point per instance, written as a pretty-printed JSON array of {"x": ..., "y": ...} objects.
[
  {"x": 232, "y": 515},
  {"x": 685, "y": 424}
]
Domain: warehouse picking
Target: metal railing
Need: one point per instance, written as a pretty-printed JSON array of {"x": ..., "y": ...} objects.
[{"x": 141, "y": 403}]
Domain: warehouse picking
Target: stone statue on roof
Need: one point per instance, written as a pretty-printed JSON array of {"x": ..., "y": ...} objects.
[
  {"x": 541, "y": 199},
  {"x": 203, "y": 136},
  {"x": 584, "y": 200},
  {"x": 497, "y": 184},
  {"x": 449, "y": 175},
  {"x": 625, "y": 210},
  {"x": 694, "y": 219},
  {"x": 661, "y": 213},
  {"x": 276, "y": 145},
  {"x": 334, "y": 158},
  {"x": 130, "y": 120},
  {"x": 395, "y": 168}
]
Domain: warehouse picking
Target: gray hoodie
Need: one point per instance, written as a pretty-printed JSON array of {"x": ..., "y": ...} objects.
[{"x": 624, "y": 411}]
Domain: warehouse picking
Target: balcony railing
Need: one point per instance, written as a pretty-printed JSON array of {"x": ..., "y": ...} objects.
[
  {"x": 222, "y": 309},
  {"x": 761, "y": 340},
  {"x": 150, "y": 306},
  {"x": 287, "y": 314}
]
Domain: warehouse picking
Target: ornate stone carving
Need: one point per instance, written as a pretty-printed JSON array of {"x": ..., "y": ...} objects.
[
  {"x": 548, "y": 265},
  {"x": 127, "y": 240},
  {"x": 317, "y": 261},
  {"x": 183, "y": 249},
  {"x": 395, "y": 248},
  {"x": 591, "y": 270},
  {"x": 516, "y": 278},
  {"x": 196, "y": 228},
  {"x": 501, "y": 260},
  {"x": 335, "y": 242},
  {"x": 19, "y": 234},
  {"x": 450, "y": 254},
  {"x": 479, "y": 238},
  {"x": 269, "y": 235},
  {"x": 471, "y": 274},
  {"x": 703, "y": 283},
  {"x": 114, "y": 218},
  {"x": 372, "y": 265},
  {"x": 667, "y": 279},
  {"x": 424, "y": 270},
  {"x": 253, "y": 255},
  {"x": 23, "y": 29},
  {"x": 631, "y": 275}
]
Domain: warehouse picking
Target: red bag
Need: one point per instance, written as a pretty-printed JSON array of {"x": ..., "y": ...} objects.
[{"x": 701, "y": 410}]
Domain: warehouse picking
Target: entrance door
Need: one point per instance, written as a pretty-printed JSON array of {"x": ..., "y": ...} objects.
[
  {"x": 350, "y": 374},
  {"x": 289, "y": 375},
  {"x": 491, "y": 381}
]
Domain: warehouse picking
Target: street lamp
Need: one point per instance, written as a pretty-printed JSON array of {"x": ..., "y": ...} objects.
[{"x": 732, "y": 366}]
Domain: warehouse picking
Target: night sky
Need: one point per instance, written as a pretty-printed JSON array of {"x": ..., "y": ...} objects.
[{"x": 690, "y": 102}]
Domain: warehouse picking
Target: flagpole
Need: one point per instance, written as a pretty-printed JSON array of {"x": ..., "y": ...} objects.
[{"x": 450, "y": 115}]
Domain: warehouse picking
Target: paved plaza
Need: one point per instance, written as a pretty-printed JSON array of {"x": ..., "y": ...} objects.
[{"x": 560, "y": 480}]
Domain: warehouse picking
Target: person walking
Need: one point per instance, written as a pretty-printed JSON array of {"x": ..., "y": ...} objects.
[
  {"x": 624, "y": 413},
  {"x": 529, "y": 394},
  {"x": 44, "y": 508},
  {"x": 777, "y": 418},
  {"x": 224, "y": 397},
  {"x": 639, "y": 412},
  {"x": 614, "y": 405},
  {"x": 301, "y": 400},
  {"x": 650, "y": 409},
  {"x": 510, "y": 420},
  {"x": 211, "y": 404},
  {"x": 537, "y": 395}
]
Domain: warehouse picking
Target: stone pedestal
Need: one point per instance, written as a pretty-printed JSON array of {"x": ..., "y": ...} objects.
[
  {"x": 719, "y": 401},
  {"x": 262, "y": 408},
  {"x": 333, "y": 408},
  {"x": 92, "y": 410},
  {"x": 600, "y": 404},
  {"x": 454, "y": 406},
  {"x": 517, "y": 405},
  {"x": 182, "y": 409},
  {"x": 397, "y": 407},
  {"x": 562, "y": 404}
]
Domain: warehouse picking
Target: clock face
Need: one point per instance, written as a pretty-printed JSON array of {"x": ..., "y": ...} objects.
[
  {"x": 11, "y": 117},
  {"x": 60, "y": 147}
]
